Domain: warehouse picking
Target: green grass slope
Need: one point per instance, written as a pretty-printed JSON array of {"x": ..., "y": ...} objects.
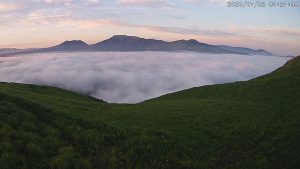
[{"x": 252, "y": 124}]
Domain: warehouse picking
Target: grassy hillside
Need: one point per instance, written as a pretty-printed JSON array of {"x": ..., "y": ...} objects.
[{"x": 253, "y": 124}]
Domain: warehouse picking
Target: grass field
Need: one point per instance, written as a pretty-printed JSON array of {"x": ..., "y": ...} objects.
[{"x": 252, "y": 124}]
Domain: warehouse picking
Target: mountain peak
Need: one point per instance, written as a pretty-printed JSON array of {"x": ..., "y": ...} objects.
[
  {"x": 70, "y": 45},
  {"x": 190, "y": 41},
  {"x": 193, "y": 41},
  {"x": 73, "y": 43},
  {"x": 124, "y": 37}
]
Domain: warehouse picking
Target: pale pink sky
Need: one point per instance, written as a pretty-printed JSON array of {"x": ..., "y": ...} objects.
[{"x": 43, "y": 23}]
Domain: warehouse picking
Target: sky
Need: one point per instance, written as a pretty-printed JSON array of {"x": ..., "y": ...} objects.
[{"x": 44, "y": 23}]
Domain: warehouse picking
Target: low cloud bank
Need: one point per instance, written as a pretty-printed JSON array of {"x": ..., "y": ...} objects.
[{"x": 131, "y": 77}]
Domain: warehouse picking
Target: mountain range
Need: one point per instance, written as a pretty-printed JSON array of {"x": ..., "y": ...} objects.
[{"x": 134, "y": 43}]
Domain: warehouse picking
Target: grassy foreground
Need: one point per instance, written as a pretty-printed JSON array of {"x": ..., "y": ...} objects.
[{"x": 252, "y": 124}]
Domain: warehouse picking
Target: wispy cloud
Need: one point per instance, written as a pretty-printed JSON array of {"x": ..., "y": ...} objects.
[
  {"x": 43, "y": 16},
  {"x": 221, "y": 2},
  {"x": 62, "y": 2},
  {"x": 283, "y": 31},
  {"x": 66, "y": 19},
  {"x": 67, "y": 2},
  {"x": 10, "y": 6},
  {"x": 145, "y": 3},
  {"x": 189, "y": 31}
]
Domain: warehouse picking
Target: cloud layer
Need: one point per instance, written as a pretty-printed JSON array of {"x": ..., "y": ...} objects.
[{"x": 131, "y": 77}]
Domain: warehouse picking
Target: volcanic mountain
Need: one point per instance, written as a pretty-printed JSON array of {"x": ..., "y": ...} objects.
[{"x": 134, "y": 43}]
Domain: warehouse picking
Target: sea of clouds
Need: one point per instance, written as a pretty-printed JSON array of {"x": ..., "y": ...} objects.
[{"x": 131, "y": 77}]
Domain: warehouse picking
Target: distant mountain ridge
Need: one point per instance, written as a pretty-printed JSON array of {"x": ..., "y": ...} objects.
[
  {"x": 128, "y": 43},
  {"x": 134, "y": 43},
  {"x": 11, "y": 50},
  {"x": 71, "y": 45},
  {"x": 246, "y": 50}
]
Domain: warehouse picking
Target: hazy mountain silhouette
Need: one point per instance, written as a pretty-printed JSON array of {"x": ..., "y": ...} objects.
[
  {"x": 134, "y": 43},
  {"x": 246, "y": 50},
  {"x": 12, "y": 50},
  {"x": 129, "y": 43},
  {"x": 71, "y": 45}
]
